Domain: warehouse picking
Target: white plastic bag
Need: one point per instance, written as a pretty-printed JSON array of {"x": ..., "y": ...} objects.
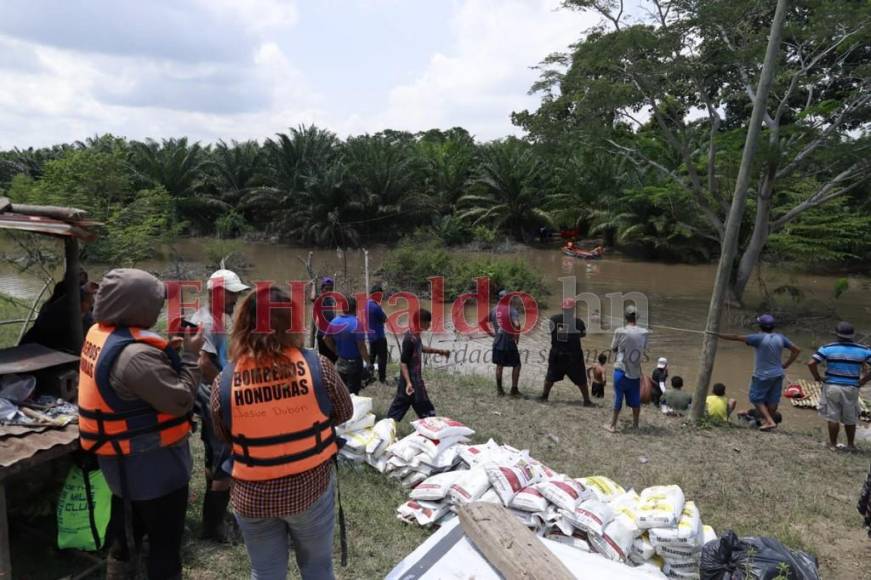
[
  {"x": 436, "y": 487},
  {"x": 438, "y": 428},
  {"x": 432, "y": 448},
  {"x": 470, "y": 486},
  {"x": 444, "y": 460},
  {"x": 615, "y": 542},
  {"x": 564, "y": 493},
  {"x": 687, "y": 533},
  {"x": 507, "y": 481},
  {"x": 642, "y": 547},
  {"x": 362, "y": 407},
  {"x": 421, "y": 512},
  {"x": 474, "y": 454},
  {"x": 364, "y": 422},
  {"x": 605, "y": 488},
  {"x": 660, "y": 507},
  {"x": 592, "y": 516},
  {"x": 529, "y": 499},
  {"x": 384, "y": 436},
  {"x": 403, "y": 448}
]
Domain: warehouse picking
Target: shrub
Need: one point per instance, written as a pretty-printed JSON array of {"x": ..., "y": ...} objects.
[{"x": 422, "y": 256}]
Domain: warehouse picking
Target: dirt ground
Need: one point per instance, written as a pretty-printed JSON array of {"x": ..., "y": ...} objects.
[{"x": 784, "y": 484}]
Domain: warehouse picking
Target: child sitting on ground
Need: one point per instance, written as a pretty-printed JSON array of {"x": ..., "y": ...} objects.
[
  {"x": 717, "y": 406},
  {"x": 675, "y": 401},
  {"x": 597, "y": 376}
]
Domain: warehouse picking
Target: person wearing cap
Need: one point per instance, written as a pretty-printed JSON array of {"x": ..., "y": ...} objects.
[
  {"x": 845, "y": 361},
  {"x": 566, "y": 356},
  {"x": 766, "y": 383},
  {"x": 375, "y": 319},
  {"x": 324, "y": 312},
  {"x": 630, "y": 344},
  {"x": 347, "y": 340},
  {"x": 503, "y": 324},
  {"x": 224, "y": 289},
  {"x": 658, "y": 378}
]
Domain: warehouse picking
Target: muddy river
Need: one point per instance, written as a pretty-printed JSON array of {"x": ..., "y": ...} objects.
[{"x": 677, "y": 298}]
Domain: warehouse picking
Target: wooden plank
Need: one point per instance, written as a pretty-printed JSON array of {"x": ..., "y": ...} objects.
[{"x": 512, "y": 550}]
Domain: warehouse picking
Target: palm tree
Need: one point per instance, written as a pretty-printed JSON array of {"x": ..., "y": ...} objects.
[
  {"x": 385, "y": 178},
  {"x": 236, "y": 168},
  {"x": 510, "y": 177},
  {"x": 173, "y": 164},
  {"x": 293, "y": 158}
]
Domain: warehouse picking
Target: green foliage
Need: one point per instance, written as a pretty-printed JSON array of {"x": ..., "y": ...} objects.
[
  {"x": 483, "y": 234},
  {"x": 841, "y": 286},
  {"x": 421, "y": 256},
  {"x": 231, "y": 225},
  {"x": 222, "y": 251},
  {"x": 98, "y": 181},
  {"x": 830, "y": 234}
]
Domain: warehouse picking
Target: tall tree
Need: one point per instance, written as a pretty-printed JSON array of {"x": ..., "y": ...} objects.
[
  {"x": 736, "y": 211},
  {"x": 510, "y": 179},
  {"x": 683, "y": 76}
]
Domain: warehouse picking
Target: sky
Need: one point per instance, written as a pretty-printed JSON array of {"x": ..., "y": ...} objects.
[{"x": 247, "y": 69}]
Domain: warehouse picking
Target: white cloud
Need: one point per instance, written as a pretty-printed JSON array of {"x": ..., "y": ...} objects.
[
  {"x": 215, "y": 69},
  {"x": 487, "y": 73}
]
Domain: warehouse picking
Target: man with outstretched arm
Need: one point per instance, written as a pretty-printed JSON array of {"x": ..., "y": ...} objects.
[{"x": 769, "y": 368}]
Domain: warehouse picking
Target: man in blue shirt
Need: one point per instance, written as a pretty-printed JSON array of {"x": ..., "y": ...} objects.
[
  {"x": 839, "y": 400},
  {"x": 375, "y": 319},
  {"x": 767, "y": 381},
  {"x": 345, "y": 338}
]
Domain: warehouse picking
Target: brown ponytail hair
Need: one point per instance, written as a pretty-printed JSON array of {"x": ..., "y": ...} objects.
[{"x": 265, "y": 342}]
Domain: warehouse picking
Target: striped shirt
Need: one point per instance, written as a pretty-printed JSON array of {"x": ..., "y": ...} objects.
[{"x": 844, "y": 362}]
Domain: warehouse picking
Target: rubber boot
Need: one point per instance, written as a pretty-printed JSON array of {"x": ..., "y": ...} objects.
[{"x": 214, "y": 512}]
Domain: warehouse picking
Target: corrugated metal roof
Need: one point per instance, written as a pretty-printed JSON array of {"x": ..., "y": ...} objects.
[
  {"x": 45, "y": 225},
  {"x": 18, "y": 444}
]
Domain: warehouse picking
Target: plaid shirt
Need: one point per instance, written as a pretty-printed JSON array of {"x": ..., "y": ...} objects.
[{"x": 293, "y": 494}]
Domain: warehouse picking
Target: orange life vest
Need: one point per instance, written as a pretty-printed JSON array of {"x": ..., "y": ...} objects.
[
  {"x": 278, "y": 416},
  {"x": 108, "y": 424}
]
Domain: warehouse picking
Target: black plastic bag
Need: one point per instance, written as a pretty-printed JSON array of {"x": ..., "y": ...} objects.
[{"x": 752, "y": 558}]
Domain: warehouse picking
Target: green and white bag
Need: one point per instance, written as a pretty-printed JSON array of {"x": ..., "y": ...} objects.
[{"x": 83, "y": 510}]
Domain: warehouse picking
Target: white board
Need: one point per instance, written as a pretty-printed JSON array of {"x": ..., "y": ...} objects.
[{"x": 448, "y": 554}]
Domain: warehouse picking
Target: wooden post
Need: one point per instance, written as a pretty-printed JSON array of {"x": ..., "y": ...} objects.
[
  {"x": 72, "y": 289},
  {"x": 5, "y": 552},
  {"x": 508, "y": 546}
]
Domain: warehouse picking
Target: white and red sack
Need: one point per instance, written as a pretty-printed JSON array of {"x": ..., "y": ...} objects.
[
  {"x": 438, "y": 428},
  {"x": 436, "y": 487},
  {"x": 508, "y": 481},
  {"x": 563, "y": 492},
  {"x": 529, "y": 499}
]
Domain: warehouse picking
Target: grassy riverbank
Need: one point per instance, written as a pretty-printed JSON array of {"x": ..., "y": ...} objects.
[{"x": 782, "y": 484}]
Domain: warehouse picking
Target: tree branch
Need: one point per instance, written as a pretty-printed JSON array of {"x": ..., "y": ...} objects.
[{"x": 832, "y": 189}]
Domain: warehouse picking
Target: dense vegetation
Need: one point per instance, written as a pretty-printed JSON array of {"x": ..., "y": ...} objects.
[{"x": 637, "y": 140}]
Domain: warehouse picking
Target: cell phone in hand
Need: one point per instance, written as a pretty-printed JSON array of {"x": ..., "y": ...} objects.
[{"x": 189, "y": 324}]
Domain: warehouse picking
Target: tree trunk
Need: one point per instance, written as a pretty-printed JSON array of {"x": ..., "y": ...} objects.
[
  {"x": 736, "y": 212},
  {"x": 750, "y": 257}
]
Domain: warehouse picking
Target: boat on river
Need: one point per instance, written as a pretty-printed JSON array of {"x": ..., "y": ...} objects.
[{"x": 571, "y": 250}]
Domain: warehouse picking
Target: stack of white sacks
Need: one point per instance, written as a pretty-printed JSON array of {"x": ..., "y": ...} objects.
[
  {"x": 365, "y": 440},
  {"x": 657, "y": 528}
]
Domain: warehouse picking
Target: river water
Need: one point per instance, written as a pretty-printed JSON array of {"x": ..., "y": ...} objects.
[{"x": 677, "y": 297}]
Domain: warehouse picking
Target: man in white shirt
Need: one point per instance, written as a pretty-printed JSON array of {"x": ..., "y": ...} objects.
[{"x": 630, "y": 344}]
